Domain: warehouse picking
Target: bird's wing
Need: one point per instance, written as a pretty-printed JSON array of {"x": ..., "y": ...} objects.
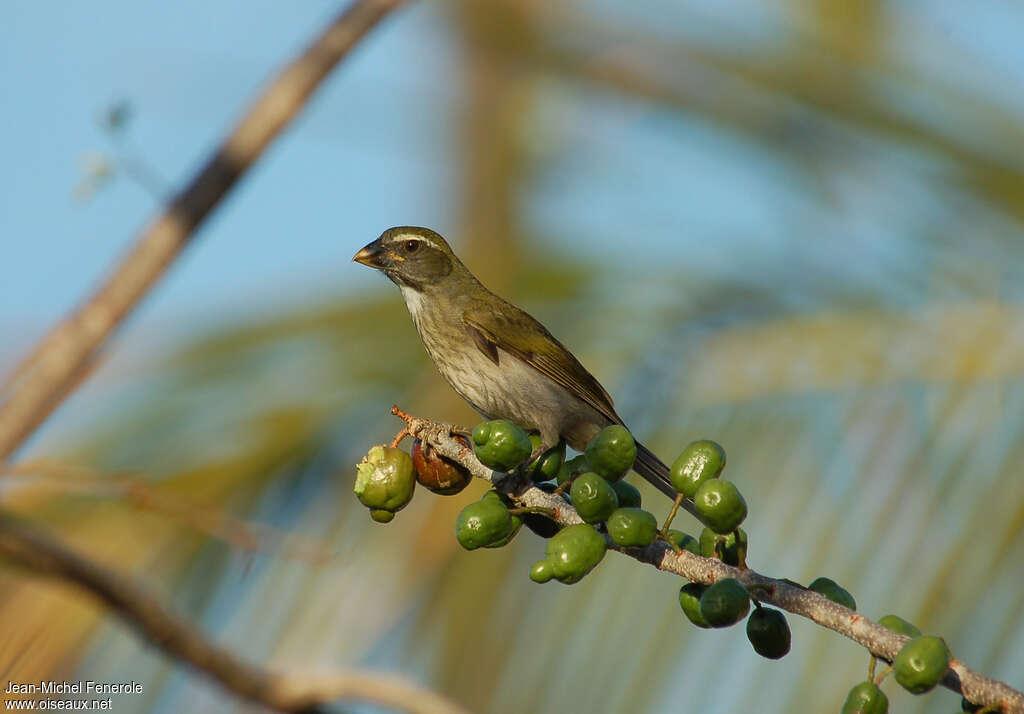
[{"x": 528, "y": 340}]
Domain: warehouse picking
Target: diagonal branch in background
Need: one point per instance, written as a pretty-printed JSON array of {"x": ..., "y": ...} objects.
[
  {"x": 144, "y": 493},
  {"x": 46, "y": 376},
  {"x": 879, "y": 641},
  {"x": 37, "y": 552}
]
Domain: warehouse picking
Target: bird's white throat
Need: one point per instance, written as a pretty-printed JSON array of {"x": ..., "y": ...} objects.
[{"x": 413, "y": 301}]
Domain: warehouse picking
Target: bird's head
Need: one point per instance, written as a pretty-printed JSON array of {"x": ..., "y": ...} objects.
[{"x": 411, "y": 257}]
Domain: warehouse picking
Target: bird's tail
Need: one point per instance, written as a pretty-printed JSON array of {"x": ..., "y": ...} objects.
[{"x": 655, "y": 471}]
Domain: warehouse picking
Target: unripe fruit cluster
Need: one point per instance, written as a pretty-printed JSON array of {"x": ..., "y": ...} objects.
[
  {"x": 592, "y": 483},
  {"x": 695, "y": 474},
  {"x": 727, "y": 602}
]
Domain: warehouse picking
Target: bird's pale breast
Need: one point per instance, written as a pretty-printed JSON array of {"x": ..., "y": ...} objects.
[{"x": 511, "y": 389}]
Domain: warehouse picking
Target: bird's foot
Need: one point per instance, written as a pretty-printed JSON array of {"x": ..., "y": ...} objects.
[{"x": 429, "y": 431}]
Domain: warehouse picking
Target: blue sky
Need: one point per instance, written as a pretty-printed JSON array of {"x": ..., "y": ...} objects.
[
  {"x": 375, "y": 149},
  {"x": 320, "y": 193}
]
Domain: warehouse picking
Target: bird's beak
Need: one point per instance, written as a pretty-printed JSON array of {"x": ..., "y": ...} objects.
[{"x": 373, "y": 255}]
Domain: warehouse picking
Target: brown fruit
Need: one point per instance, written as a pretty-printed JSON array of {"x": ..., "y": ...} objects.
[{"x": 437, "y": 473}]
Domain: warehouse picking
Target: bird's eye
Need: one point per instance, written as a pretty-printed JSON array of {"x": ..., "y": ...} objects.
[{"x": 411, "y": 246}]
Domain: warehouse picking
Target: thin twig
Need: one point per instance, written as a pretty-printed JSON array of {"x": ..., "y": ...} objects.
[
  {"x": 40, "y": 382},
  {"x": 879, "y": 641},
  {"x": 281, "y": 691},
  {"x": 398, "y": 438},
  {"x": 671, "y": 517}
]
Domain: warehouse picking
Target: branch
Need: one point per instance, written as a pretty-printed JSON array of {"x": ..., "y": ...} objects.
[
  {"x": 880, "y": 641},
  {"x": 48, "y": 374},
  {"x": 285, "y": 692}
]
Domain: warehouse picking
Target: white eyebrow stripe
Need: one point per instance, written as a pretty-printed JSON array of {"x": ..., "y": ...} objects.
[{"x": 421, "y": 239}]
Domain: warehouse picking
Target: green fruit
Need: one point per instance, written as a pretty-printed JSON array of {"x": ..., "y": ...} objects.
[
  {"x": 731, "y": 548},
  {"x": 866, "y": 698},
  {"x": 385, "y": 479},
  {"x": 545, "y": 467},
  {"x": 632, "y": 527},
  {"x": 574, "y": 551},
  {"x": 833, "y": 592},
  {"x": 629, "y": 495},
  {"x": 768, "y": 632},
  {"x": 684, "y": 541},
  {"x": 689, "y": 600},
  {"x": 517, "y": 523},
  {"x": 593, "y": 497},
  {"x": 920, "y": 664},
  {"x": 700, "y": 461},
  {"x": 574, "y": 466},
  {"x": 725, "y": 603},
  {"x": 542, "y": 571},
  {"x": 485, "y": 523},
  {"x": 382, "y": 516},
  {"x": 900, "y": 626},
  {"x": 495, "y": 495},
  {"x": 500, "y": 445},
  {"x": 612, "y": 452},
  {"x": 720, "y": 505}
]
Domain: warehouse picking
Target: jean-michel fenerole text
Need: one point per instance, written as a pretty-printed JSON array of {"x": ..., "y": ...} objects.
[{"x": 80, "y": 687}]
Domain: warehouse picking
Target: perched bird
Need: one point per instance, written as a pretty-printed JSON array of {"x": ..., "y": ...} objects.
[{"x": 503, "y": 362}]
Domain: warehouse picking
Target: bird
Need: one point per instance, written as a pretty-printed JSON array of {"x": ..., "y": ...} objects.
[{"x": 500, "y": 360}]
